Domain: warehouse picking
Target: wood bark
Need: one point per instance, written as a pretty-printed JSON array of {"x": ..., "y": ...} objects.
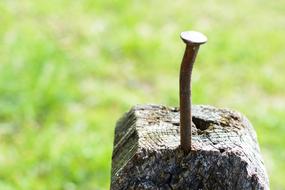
[{"x": 225, "y": 152}]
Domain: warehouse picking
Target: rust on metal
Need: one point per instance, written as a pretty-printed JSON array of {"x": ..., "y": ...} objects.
[{"x": 193, "y": 40}]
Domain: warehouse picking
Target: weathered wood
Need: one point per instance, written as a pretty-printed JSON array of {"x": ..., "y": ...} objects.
[{"x": 224, "y": 155}]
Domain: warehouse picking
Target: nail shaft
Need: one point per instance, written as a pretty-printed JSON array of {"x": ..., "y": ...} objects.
[{"x": 185, "y": 96}]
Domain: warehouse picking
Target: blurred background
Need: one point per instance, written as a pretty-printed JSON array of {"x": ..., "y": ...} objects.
[{"x": 70, "y": 69}]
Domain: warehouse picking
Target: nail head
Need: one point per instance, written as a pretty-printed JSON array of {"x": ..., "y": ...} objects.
[{"x": 193, "y": 37}]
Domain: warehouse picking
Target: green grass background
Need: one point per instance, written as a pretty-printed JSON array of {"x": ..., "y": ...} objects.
[{"x": 70, "y": 69}]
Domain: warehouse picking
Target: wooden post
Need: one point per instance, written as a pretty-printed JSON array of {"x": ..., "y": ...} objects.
[{"x": 225, "y": 152}]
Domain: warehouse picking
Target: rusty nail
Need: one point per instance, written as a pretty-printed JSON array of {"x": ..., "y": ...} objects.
[{"x": 193, "y": 41}]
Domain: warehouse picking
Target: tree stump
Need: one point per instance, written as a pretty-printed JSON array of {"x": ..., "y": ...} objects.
[{"x": 225, "y": 152}]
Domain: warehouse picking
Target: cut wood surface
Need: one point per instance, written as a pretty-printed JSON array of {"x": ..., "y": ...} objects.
[{"x": 225, "y": 152}]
